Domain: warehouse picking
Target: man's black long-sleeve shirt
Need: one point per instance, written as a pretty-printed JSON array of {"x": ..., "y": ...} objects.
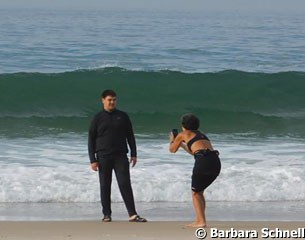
[{"x": 108, "y": 134}]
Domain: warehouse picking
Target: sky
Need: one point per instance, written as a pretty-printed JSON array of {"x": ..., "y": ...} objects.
[{"x": 167, "y": 5}]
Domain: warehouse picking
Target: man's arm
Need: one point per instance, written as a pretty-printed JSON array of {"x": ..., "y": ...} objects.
[
  {"x": 92, "y": 141},
  {"x": 131, "y": 142},
  {"x": 131, "y": 139}
]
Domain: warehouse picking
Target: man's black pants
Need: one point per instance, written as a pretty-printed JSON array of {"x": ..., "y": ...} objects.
[{"x": 120, "y": 165}]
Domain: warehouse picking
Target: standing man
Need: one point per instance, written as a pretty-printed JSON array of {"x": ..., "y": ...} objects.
[{"x": 109, "y": 133}]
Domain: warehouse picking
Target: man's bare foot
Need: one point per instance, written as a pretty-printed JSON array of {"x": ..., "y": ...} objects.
[{"x": 196, "y": 225}]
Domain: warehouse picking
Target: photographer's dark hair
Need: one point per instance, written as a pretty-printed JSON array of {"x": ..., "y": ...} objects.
[
  {"x": 108, "y": 92},
  {"x": 190, "y": 121}
]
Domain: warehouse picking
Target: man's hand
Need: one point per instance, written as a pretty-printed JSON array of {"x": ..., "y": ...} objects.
[
  {"x": 133, "y": 161},
  {"x": 94, "y": 166}
]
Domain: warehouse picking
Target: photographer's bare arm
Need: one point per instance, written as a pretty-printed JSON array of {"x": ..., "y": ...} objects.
[
  {"x": 177, "y": 142},
  {"x": 183, "y": 138}
]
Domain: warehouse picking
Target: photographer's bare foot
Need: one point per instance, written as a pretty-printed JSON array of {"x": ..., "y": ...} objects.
[{"x": 196, "y": 225}]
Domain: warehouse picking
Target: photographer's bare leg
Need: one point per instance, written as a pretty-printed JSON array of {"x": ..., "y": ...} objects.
[{"x": 199, "y": 207}]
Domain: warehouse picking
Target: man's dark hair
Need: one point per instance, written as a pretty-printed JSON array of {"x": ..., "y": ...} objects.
[
  {"x": 190, "y": 121},
  {"x": 108, "y": 92}
]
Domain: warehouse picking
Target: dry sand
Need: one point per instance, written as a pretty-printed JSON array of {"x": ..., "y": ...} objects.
[{"x": 89, "y": 230}]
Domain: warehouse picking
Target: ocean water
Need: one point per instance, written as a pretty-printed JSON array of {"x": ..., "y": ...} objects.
[
  {"x": 241, "y": 73},
  {"x": 57, "y": 41}
]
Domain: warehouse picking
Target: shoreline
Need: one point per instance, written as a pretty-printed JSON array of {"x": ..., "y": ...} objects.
[
  {"x": 156, "y": 211},
  {"x": 157, "y": 230}
]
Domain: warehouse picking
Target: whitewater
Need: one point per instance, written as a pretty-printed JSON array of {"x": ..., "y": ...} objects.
[{"x": 48, "y": 169}]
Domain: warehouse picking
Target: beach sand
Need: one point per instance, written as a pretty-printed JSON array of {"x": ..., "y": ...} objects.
[{"x": 89, "y": 230}]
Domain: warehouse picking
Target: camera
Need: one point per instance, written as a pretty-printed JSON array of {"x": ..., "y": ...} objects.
[{"x": 175, "y": 132}]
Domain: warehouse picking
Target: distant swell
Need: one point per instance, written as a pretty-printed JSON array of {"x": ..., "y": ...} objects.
[{"x": 227, "y": 101}]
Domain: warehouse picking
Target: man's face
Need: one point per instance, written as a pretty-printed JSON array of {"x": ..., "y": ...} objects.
[{"x": 109, "y": 103}]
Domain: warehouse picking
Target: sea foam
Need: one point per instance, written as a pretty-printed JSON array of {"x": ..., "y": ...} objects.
[{"x": 54, "y": 169}]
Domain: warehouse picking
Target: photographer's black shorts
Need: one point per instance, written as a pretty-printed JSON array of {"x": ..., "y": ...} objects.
[{"x": 206, "y": 169}]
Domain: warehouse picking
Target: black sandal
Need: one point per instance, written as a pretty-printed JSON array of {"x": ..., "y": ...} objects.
[
  {"x": 107, "y": 218},
  {"x": 137, "y": 218}
]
